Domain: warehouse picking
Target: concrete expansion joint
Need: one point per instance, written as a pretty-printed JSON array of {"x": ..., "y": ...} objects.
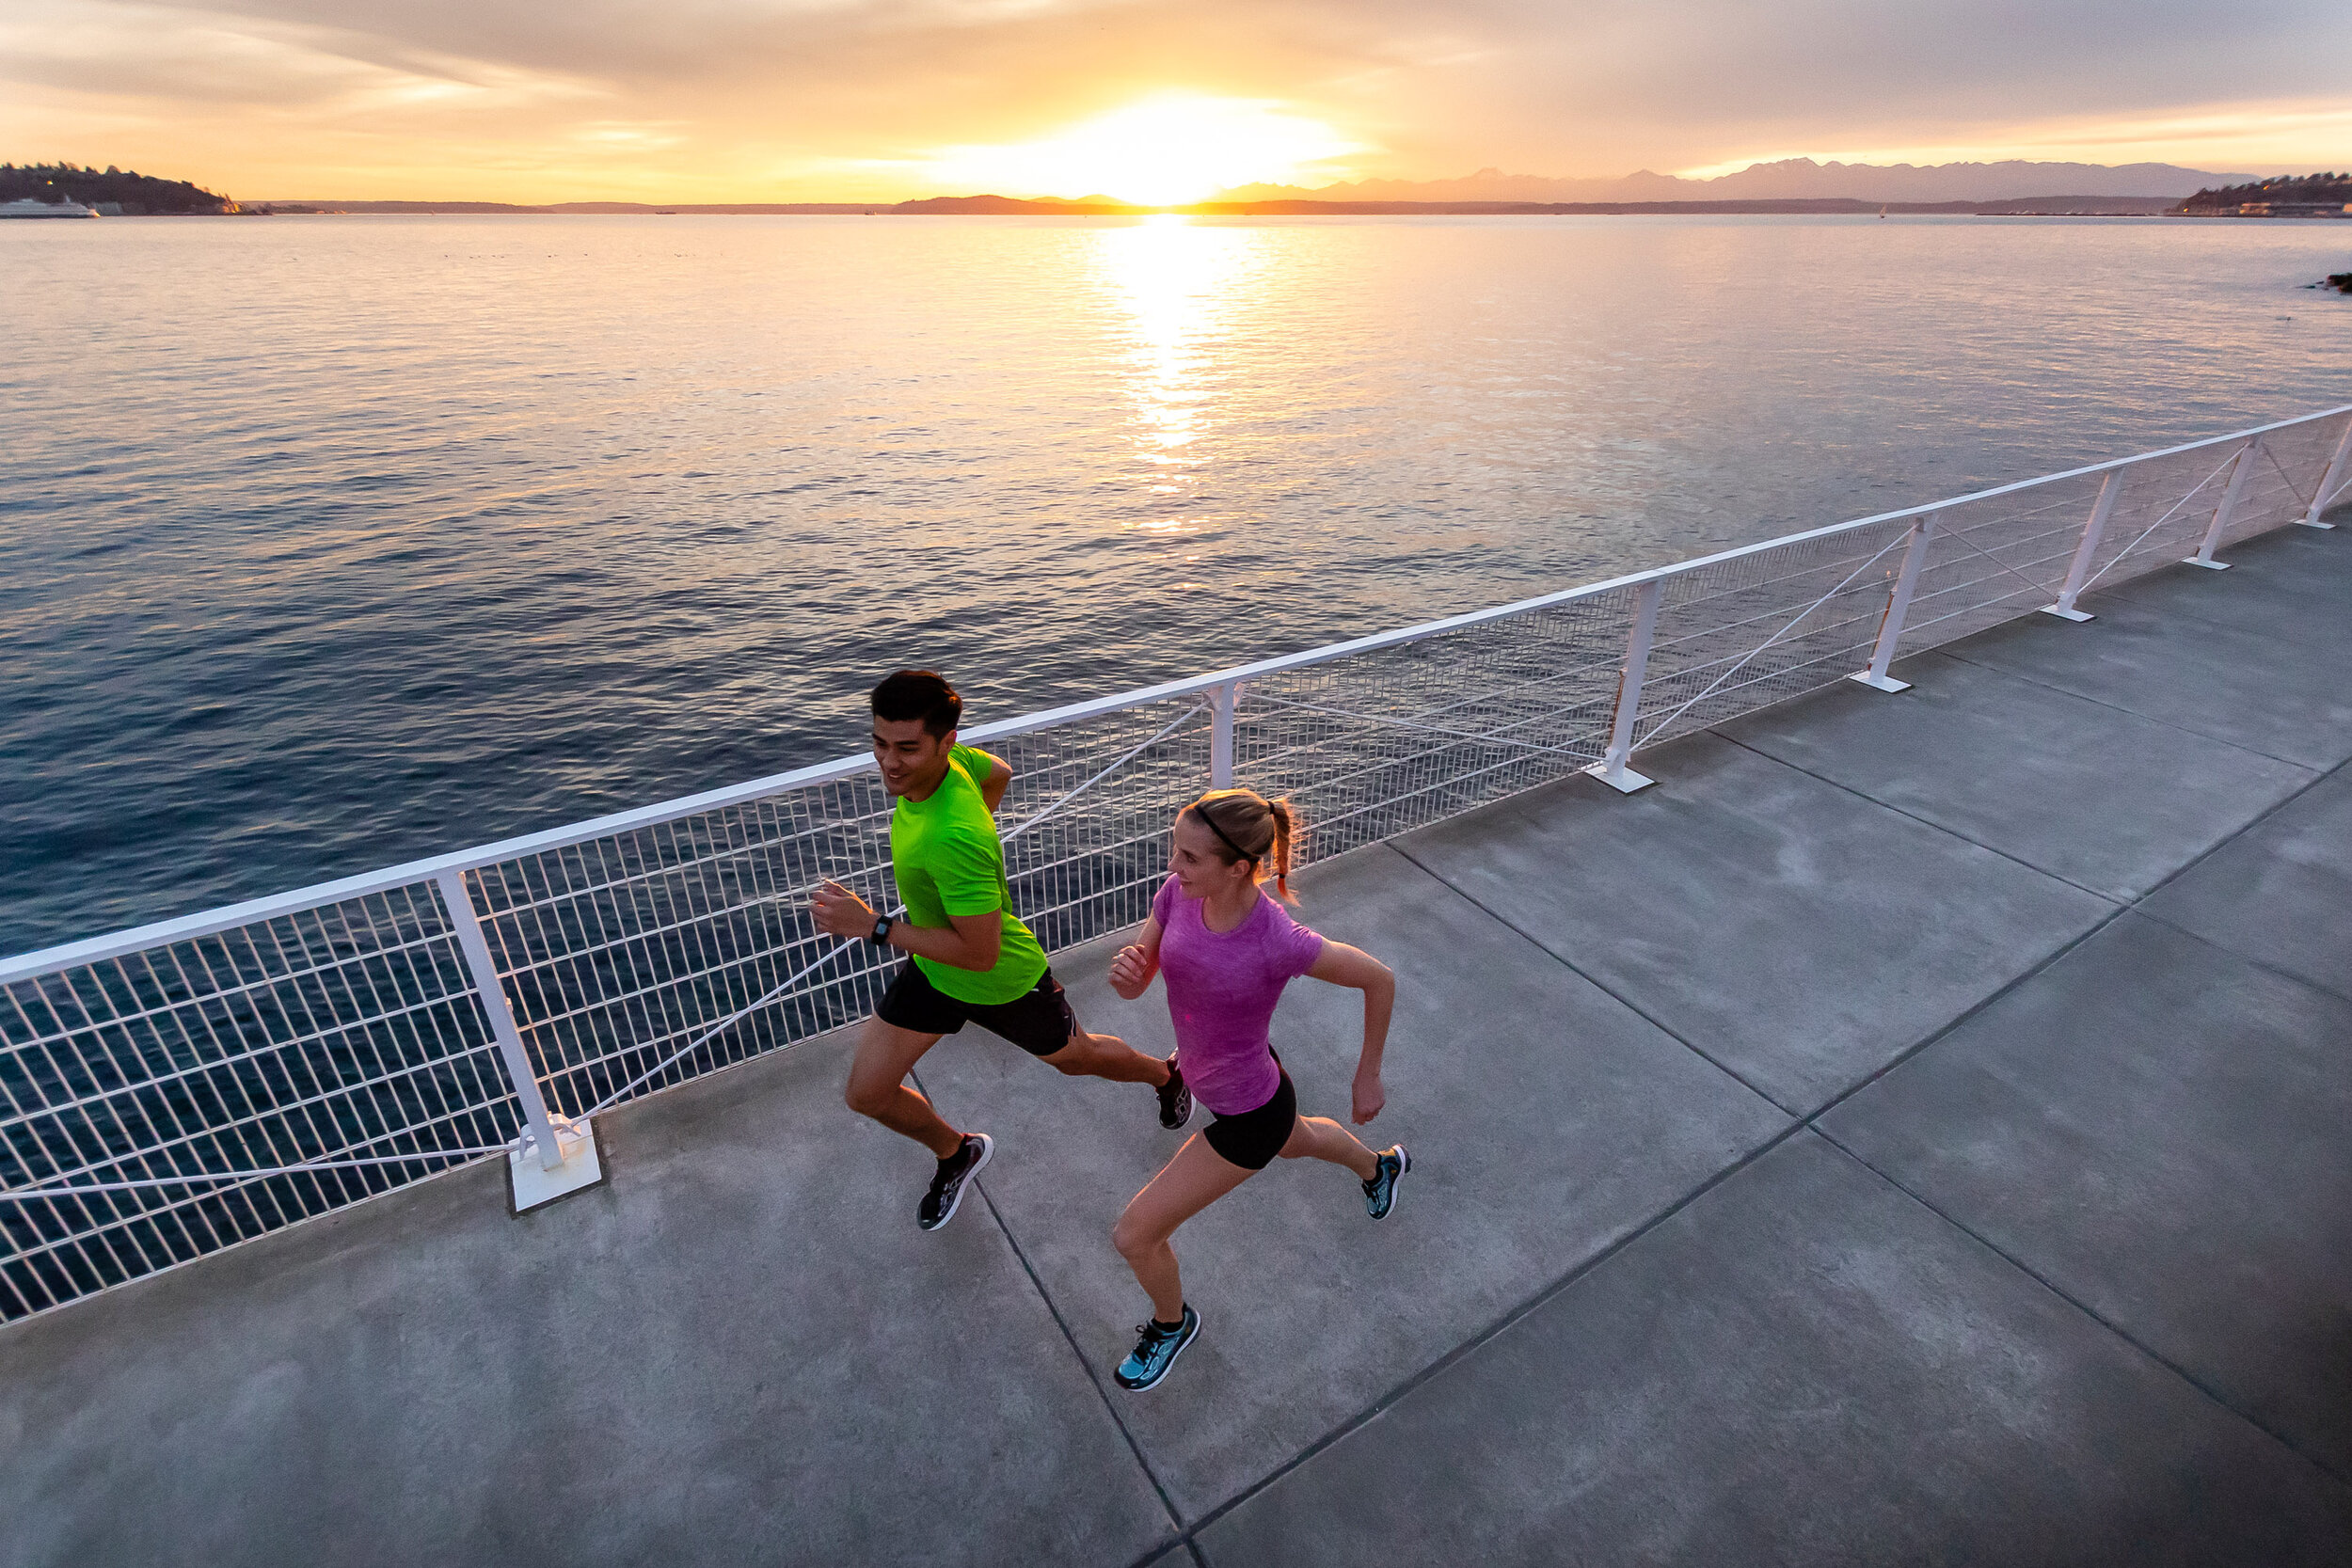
[
  {"x": 1612, "y": 993},
  {"x": 1944, "y": 829},
  {"x": 1958, "y": 657},
  {"x": 2092, "y": 1314},
  {"x": 1070, "y": 1337},
  {"x": 1502, "y": 1325}
]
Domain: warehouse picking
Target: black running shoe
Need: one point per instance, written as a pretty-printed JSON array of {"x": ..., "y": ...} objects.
[
  {"x": 955, "y": 1174},
  {"x": 1175, "y": 1099},
  {"x": 1381, "y": 1191},
  {"x": 1156, "y": 1350}
]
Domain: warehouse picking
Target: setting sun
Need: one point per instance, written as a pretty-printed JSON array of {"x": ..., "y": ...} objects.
[{"x": 1172, "y": 149}]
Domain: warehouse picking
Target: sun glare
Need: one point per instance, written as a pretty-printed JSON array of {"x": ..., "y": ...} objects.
[{"x": 1162, "y": 151}]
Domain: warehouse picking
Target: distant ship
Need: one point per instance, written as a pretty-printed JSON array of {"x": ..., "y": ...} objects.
[{"x": 24, "y": 207}]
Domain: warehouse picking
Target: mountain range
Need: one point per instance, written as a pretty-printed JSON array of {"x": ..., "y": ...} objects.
[{"x": 1791, "y": 179}]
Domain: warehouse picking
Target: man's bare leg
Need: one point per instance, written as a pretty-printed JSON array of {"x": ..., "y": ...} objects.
[
  {"x": 877, "y": 1088},
  {"x": 1106, "y": 1057}
]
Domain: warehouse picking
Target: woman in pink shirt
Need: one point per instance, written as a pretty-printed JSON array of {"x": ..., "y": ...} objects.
[{"x": 1226, "y": 951}]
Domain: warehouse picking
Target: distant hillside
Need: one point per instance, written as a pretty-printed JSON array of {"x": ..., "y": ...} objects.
[
  {"x": 1794, "y": 179},
  {"x": 729, "y": 208},
  {"x": 135, "y": 193},
  {"x": 2072, "y": 206},
  {"x": 2305, "y": 192}
]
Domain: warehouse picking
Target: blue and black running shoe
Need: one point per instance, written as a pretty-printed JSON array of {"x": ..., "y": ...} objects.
[
  {"x": 1381, "y": 1191},
  {"x": 955, "y": 1173},
  {"x": 1156, "y": 1350},
  {"x": 1175, "y": 1099}
]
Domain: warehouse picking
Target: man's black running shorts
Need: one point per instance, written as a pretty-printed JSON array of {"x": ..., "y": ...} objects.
[
  {"x": 1253, "y": 1138},
  {"x": 1039, "y": 1020}
]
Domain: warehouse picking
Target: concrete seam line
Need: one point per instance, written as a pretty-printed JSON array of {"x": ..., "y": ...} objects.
[
  {"x": 1479, "y": 1339},
  {"x": 2118, "y": 707},
  {"x": 2257, "y": 820},
  {"x": 2250, "y": 960},
  {"x": 1569, "y": 965},
  {"x": 1084, "y": 1365},
  {"x": 1162, "y": 1553},
  {"x": 2065, "y": 948},
  {"x": 1864, "y": 796},
  {"x": 2088, "y": 1311},
  {"x": 1943, "y": 1030}
]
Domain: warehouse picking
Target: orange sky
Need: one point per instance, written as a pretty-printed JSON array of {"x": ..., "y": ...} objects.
[{"x": 1150, "y": 99}]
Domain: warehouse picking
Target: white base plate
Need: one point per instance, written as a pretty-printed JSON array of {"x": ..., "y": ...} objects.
[
  {"x": 2308, "y": 523},
  {"x": 534, "y": 1185},
  {"x": 2066, "y": 614},
  {"x": 1879, "y": 683},
  {"x": 2208, "y": 565},
  {"x": 1624, "y": 781}
]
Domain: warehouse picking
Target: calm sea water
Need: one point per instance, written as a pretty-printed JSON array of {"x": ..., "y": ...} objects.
[{"x": 328, "y": 542}]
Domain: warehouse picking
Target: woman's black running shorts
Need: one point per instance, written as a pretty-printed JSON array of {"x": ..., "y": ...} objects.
[
  {"x": 1039, "y": 1020},
  {"x": 1253, "y": 1138}
]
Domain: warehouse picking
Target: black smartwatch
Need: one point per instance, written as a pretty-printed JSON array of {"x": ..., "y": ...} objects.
[{"x": 880, "y": 935}]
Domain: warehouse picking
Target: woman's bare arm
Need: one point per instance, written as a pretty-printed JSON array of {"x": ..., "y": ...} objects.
[
  {"x": 1132, "y": 971},
  {"x": 1343, "y": 965}
]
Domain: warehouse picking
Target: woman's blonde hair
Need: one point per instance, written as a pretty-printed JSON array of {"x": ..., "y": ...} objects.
[{"x": 1248, "y": 827}]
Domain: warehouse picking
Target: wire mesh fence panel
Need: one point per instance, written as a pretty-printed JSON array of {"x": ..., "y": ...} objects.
[
  {"x": 2283, "y": 480},
  {"x": 1994, "y": 559},
  {"x": 2161, "y": 510},
  {"x": 2316, "y": 447},
  {"x": 646, "y": 957},
  {"x": 1741, "y": 633},
  {"x": 1379, "y": 743},
  {"x": 1087, "y": 815},
  {"x": 344, "y": 1032}
]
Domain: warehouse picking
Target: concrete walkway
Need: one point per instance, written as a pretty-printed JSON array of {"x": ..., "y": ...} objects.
[{"x": 1915, "y": 1131}]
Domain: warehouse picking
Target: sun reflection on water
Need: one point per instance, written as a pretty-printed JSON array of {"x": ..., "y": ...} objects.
[{"x": 1174, "y": 281}]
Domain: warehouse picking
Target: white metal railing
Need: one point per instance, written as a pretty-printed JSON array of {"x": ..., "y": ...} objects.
[{"x": 172, "y": 1090}]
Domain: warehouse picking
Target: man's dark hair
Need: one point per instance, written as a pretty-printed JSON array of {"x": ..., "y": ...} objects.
[{"x": 919, "y": 694}]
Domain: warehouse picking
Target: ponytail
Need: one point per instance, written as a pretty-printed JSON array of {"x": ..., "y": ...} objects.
[{"x": 1280, "y": 811}]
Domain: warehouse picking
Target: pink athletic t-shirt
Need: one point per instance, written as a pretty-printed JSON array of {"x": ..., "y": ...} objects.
[{"x": 1221, "y": 991}]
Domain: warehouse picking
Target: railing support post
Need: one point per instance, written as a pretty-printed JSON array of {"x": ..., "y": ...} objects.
[
  {"x": 2241, "y": 468},
  {"x": 1221, "y": 702},
  {"x": 2336, "y": 466},
  {"x": 1898, "y": 606},
  {"x": 1611, "y": 770},
  {"x": 560, "y": 1157},
  {"x": 2079, "y": 571}
]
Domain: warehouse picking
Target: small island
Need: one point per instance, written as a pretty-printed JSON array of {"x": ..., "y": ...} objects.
[{"x": 110, "y": 191}]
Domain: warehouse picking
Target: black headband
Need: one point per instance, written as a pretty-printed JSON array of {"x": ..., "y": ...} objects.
[{"x": 1195, "y": 809}]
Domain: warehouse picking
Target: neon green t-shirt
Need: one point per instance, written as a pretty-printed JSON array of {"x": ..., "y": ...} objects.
[{"x": 945, "y": 855}]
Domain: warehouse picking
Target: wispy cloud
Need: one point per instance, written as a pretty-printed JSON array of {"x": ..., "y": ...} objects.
[{"x": 809, "y": 99}]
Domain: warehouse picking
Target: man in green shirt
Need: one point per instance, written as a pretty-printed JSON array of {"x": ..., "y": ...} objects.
[{"x": 970, "y": 958}]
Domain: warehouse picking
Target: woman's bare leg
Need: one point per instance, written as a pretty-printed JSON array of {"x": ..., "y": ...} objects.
[
  {"x": 1198, "y": 1177},
  {"x": 1320, "y": 1139}
]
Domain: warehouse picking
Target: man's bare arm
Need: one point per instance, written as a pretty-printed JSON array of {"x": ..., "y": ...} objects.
[
  {"x": 973, "y": 942},
  {"x": 999, "y": 780}
]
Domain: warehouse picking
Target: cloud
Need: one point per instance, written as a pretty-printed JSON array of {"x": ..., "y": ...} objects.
[
  {"x": 793, "y": 99},
  {"x": 166, "y": 55}
]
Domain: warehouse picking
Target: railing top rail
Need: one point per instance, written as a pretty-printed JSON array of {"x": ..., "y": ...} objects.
[{"x": 207, "y": 922}]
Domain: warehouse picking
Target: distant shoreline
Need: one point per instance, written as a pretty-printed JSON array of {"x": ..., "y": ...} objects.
[{"x": 2047, "y": 206}]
